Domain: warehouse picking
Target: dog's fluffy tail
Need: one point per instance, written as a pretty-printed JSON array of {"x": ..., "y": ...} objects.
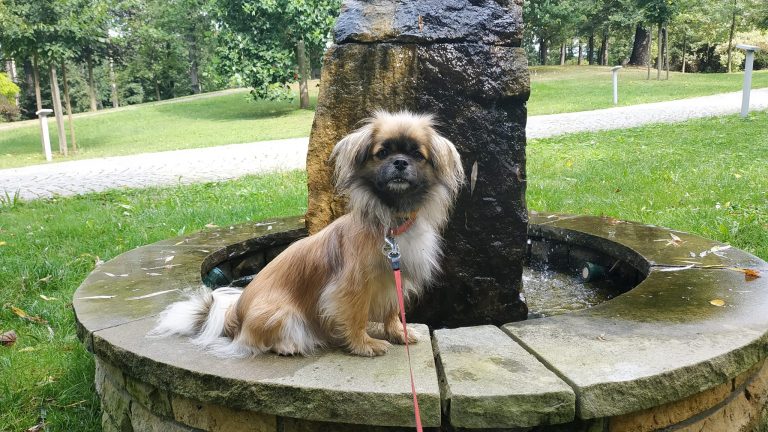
[{"x": 202, "y": 318}]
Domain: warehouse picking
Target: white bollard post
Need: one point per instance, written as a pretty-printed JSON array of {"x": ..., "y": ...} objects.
[
  {"x": 747, "y": 89},
  {"x": 43, "y": 114},
  {"x": 615, "y": 71}
]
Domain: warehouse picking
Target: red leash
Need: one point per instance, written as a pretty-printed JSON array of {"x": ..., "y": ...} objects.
[{"x": 393, "y": 254}]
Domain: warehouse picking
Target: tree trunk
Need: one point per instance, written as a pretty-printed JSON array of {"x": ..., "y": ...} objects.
[
  {"x": 685, "y": 48},
  {"x": 301, "y": 61},
  {"x": 659, "y": 57},
  {"x": 113, "y": 84},
  {"x": 543, "y": 51},
  {"x": 562, "y": 55},
  {"x": 640, "y": 48},
  {"x": 68, "y": 104},
  {"x": 730, "y": 36},
  {"x": 91, "y": 85},
  {"x": 604, "y": 48},
  {"x": 650, "y": 57},
  {"x": 194, "y": 78},
  {"x": 157, "y": 90},
  {"x": 578, "y": 61},
  {"x": 591, "y": 48},
  {"x": 57, "y": 110},
  {"x": 36, "y": 75},
  {"x": 666, "y": 52}
]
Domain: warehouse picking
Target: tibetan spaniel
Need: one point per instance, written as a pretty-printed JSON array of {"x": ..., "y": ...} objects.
[{"x": 401, "y": 179}]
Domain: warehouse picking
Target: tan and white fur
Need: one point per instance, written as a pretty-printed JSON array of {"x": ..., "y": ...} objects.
[{"x": 324, "y": 289}]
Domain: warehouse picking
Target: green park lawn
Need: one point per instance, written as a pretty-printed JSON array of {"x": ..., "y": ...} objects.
[
  {"x": 705, "y": 176},
  {"x": 234, "y": 118},
  {"x": 230, "y": 118},
  {"x": 558, "y": 89}
]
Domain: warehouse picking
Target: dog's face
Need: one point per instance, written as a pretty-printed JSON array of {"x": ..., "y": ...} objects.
[
  {"x": 398, "y": 170},
  {"x": 396, "y": 164}
]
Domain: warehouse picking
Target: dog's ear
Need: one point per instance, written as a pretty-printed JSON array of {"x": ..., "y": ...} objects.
[
  {"x": 350, "y": 153},
  {"x": 447, "y": 163}
]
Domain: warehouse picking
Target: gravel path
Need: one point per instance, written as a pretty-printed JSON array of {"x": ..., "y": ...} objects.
[{"x": 231, "y": 161}]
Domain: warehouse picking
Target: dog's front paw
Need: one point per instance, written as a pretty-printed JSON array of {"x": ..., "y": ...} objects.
[
  {"x": 370, "y": 347},
  {"x": 396, "y": 335}
]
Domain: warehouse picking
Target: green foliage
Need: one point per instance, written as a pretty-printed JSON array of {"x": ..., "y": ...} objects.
[
  {"x": 8, "y": 89},
  {"x": 8, "y": 92},
  {"x": 258, "y": 39}
]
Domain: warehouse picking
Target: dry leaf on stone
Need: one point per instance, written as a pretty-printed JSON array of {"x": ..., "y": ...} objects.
[
  {"x": 749, "y": 274},
  {"x": 717, "y": 302},
  {"x": 8, "y": 338},
  {"x": 672, "y": 241}
]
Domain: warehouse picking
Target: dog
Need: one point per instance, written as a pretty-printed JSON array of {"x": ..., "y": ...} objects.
[{"x": 400, "y": 178}]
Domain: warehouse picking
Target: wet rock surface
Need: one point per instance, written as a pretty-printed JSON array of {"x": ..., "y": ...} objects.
[
  {"x": 490, "y": 381},
  {"x": 461, "y": 61},
  {"x": 486, "y": 21}
]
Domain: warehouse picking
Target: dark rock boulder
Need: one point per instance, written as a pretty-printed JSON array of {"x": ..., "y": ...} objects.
[{"x": 462, "y": 61}]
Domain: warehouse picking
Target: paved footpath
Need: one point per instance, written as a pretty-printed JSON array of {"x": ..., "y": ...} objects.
[{"x": 236, "y": 160}]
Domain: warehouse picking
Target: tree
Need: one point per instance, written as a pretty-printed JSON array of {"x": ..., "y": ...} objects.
[
  {"x": 552, "y": 22},
  {"x": 259, "y": 39}
]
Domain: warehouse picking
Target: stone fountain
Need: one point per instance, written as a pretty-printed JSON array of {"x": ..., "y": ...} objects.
[
  {"x": 682, "y": 346},
  {"x": 462, "y": 61}
]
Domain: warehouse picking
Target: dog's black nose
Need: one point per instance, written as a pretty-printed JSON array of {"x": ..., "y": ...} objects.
[{"x": 400, "y": 164}]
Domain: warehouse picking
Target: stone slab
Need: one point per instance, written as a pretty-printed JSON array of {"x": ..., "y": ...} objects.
[
  {"x": 657, "y": 245},
  {"x": 426, "y": 21},
  {"x": 331, "y": 386},
  {"x": 137, "y": 284},
  {"x": 142, "y": 282},
  {"x": 660, "y": 342},
  {"x": 489, "y": 381}
]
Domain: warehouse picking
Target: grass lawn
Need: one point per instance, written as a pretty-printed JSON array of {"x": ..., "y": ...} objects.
[
  {"x": 706, "y": 176},
  {"x": 234, "y": 118},
  {"x": 47, "y": 248},
  {"x": 558, "y": 89},
  {"x": 205, "y": 122}
]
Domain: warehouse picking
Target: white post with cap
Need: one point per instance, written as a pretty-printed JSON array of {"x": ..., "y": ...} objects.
[
  {"x": 750, "y": 49},
  {"x": 43, "y": 114},
  {"x": 615, "y": 71}
]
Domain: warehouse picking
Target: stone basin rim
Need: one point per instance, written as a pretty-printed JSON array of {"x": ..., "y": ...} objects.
[{"x": 594, "y": 398}]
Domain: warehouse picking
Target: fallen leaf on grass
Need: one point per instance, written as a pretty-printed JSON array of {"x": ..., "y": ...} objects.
[
  {"x": 717, "y": 302},
  {"x": 211, "y": 225},
  {"x": 8, "y": 338},
  {"x": 2, "y": 243},
  {"x": 37, "y": 428},
  {"x": 24, "y": 315},
  {"x": 46, "y": 298},
  {"x": 45, "y": 279},
  {"x": 28, "y": 349}
]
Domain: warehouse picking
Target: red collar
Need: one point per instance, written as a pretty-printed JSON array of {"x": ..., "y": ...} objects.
[{"x": 404, "y": 227}]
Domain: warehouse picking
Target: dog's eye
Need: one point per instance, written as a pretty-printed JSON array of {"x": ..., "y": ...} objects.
[
  {"x": 381, "y": 154},
  {"x": 417, "y": 155}
]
